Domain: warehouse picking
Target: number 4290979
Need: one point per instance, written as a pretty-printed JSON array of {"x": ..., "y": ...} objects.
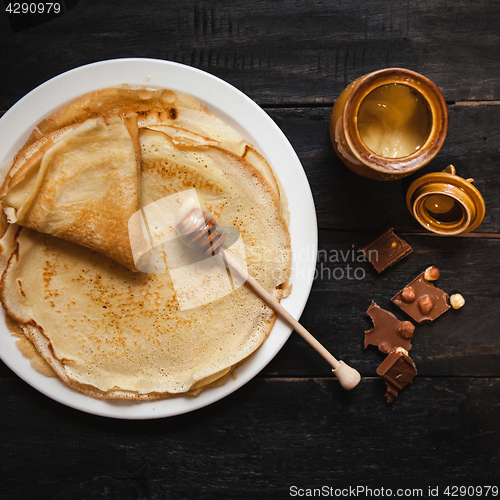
[
  {"x": 33, "y": 8},
  {"x": 471, "y": 491}
]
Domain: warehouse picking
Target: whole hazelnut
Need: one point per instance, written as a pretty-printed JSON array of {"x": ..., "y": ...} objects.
[
  {"x": 426, "y": 305},
  {"x": 431, "y": 273},
  {"x": 457, "y": 301},
  {"x": 406, "y": 329},
  {"x": 408, "y": 294}
]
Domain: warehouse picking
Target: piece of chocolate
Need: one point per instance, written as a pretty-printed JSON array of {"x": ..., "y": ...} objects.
[
  {"x": 385, "y": 249},
  {"x": 387, "y": 332},
  {"x": 397, "y": 370},
  {"x": 422, "y": 300}
]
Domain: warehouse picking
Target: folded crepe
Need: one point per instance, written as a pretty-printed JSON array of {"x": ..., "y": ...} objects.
[
  {"x": 81, "y": 184},
  {"x": 107, "y": 331}
]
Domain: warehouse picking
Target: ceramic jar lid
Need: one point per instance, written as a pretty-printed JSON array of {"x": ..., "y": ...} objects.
[{"x": 445, "y": 203}]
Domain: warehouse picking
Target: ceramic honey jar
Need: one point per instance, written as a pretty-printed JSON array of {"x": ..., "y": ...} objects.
[{"x": 388, "y": 124}]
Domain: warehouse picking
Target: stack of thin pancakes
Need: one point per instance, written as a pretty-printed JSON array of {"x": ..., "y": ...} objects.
[{"x": 68, "y": 274}]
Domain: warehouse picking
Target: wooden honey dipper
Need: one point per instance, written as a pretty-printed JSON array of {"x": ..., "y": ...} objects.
[{"x": 198, "y": 230}]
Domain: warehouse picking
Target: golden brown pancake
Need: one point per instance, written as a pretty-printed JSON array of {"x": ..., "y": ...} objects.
[{"x": 113, "y": 333}]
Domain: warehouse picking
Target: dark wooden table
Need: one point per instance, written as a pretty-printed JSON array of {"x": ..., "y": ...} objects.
[{"x": 293, "y": 427}]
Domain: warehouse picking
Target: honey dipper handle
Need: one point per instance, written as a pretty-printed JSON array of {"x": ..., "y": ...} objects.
[{"x": 348, "y": 377}]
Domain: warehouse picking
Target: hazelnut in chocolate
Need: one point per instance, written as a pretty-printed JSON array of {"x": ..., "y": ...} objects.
[
  {"x": 397, "y": 370},
  {"x": 431, "y": 273},
  {"x": 385, "y": 249},
  {"x": 388, "y": 332},
  {"x": 422, "y": 300},
  {"x": 408, "y": 294}
]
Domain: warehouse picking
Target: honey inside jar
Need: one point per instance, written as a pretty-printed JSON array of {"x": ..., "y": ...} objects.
[
  {"x": 443, "y": 208},
  {"x": 394, "y": 120}
]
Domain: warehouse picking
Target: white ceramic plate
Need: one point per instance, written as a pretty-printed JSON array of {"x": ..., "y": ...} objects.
[{"x": 238, "y": 110}]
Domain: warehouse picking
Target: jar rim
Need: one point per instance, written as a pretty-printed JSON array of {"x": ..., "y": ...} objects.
[
  {"x": 432, "y": 224},
  {"x": 435, "y": 102}
]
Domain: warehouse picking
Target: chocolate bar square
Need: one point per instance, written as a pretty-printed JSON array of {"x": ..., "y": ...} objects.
[
  {"x": 385, "y": 249},
  {"x": 422, "y": 300},
  {"x": 397, "y": 370}
]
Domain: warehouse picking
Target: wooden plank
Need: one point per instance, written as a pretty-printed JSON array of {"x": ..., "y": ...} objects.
[
  {"x": 459, "y": 343},
  {"x": 473, "y": 139},
  {"x": 281, "y": 52},
  {"x": 472, "y": 145},
  {"x": 257, "y": 443}
]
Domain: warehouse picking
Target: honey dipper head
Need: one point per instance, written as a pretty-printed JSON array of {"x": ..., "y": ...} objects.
[{"x": 198, "y": 231}]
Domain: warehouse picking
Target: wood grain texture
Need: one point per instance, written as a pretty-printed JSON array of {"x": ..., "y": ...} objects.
[
  {"x": 280, "y": 52},
  {"x": 270, "y": 435},
  {"x": 293, "y": 424},
  {"x": 347, "y": 201},
  {"x": 459, "y": 343}
]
